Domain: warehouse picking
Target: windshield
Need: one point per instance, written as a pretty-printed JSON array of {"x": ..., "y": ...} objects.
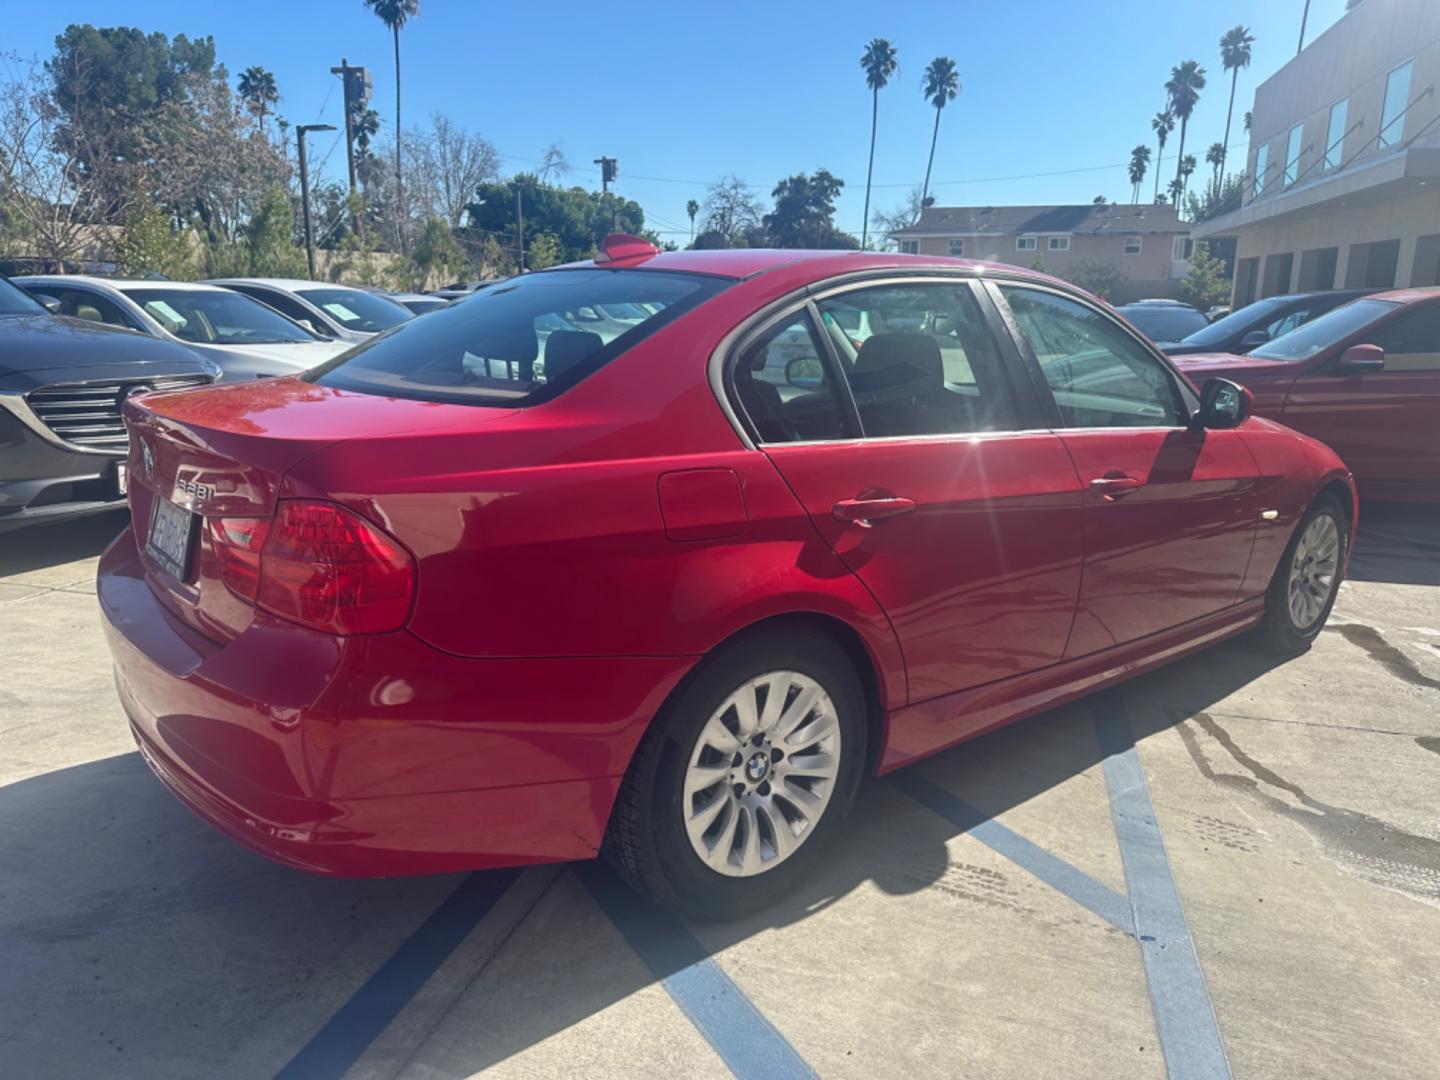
[
  {"x": 1161, "y": 323},
  {"x": 1237, "y": 322},
  {"x": 220, "y": 317},
  {"x": 1305, "y": 341},
  {"x": 357, "y": 310},
  {"x": 519, "y": 342},
  {"x": 15, "y": 302}
]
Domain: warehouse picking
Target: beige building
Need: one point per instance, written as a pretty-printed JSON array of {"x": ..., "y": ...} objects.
[
  {"x": 1148, "y": 244},
  {"x": 1343, "y": 181}
]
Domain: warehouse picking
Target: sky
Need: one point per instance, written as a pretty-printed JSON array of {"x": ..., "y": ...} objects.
[{"x": 1055, "y": 93}]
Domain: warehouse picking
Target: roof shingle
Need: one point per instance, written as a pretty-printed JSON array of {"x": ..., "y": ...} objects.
[{"x": 1084, "y": 219}]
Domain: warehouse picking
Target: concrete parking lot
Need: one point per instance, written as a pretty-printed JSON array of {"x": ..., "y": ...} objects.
[{"x": 1228, "y": 867}]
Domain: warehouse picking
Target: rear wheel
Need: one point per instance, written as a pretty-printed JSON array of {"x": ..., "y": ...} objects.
[
  {"x": 744, "y": 778},
  {"x": 1307, "y": 580}
]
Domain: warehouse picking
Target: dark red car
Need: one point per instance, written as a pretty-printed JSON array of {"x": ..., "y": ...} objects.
[
  {"x": 1363, "y": 378},
  {"x": 661, "y": 554}
]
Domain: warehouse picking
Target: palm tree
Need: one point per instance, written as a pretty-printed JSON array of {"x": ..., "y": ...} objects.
[
  {"x": 878, "y": 60},
  {"x": 1176, "y": 187},
  {"x": 1139, "y": 162},
  {"x": 692, "y": 208},
  {"x": 394, "y": 14},
  {"x": 1186, "y": 81},
  {"x": 258, "y": 91},
  {"x": 1216, "y": 156},
  {"x": 1162, "y": 124},
  {"x": 1187, "y": 166},
  {"x": 1247, "y": 121},
  {"x": 942, "y": 85},
  {"x": 1234, "y": 55}
]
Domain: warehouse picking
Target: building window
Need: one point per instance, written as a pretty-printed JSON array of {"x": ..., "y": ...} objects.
[
  {"x": 1397, "y": 93},
  {"x": 957, "y": 247},
  {"x": 1181, "y": 248},
  {"x": 1059, "y": 243},
  {"x": 1335, "y": 135},
  {"x": 1261, "y": 158},
  {"x": 1132, "y": 245},
  {"x": 909, "y": 247},
  {"x": 1025, "y": 243},
  {"x": 1292, "y": 154}
]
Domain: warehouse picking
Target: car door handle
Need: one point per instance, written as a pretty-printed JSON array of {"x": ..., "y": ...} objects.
[
  {"x": 864, "y": 512},
  {"x": 1114, "y": 486}
]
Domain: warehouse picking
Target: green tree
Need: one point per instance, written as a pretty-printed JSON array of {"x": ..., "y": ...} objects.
[
  {"x": 1207, "y": 283},
  {"x": 270, "y": 239},
  {"x": 804, "y": 213},
  {"x": 878, "y": 62},
  {"x": 1186, "y": 81},
  {"x": 1216, "y": 156},
  {"x": 544, "y": 252},
  {"x": 1220, "y": 196},
  {"x": 1139, "y": 162},
  {"x": 436, "y": 254},
  {"x": 1162, "y": 124},
  {"x": 1103, "y": 279},
  {"x": 394, "y": 14},
  {"x": 258, "y": 91},
  {"x": 576, "y": 218},
  {"x": 150, "y": 244},
  {"x": 942, "y": 85},
  {"x": 1235, "y": 46}
]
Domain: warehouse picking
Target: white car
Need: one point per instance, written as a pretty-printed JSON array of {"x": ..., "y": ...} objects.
[
  {"x": 244, "y": 338},
  {"x": 337, "y": 312}
]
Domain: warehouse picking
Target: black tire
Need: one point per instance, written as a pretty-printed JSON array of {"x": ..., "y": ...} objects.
[
  {"x": 1279, "y": 630},
  {"x": 646, "y": 840}
]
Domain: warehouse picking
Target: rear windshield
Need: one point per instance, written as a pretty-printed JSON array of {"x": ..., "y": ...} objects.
[
  {"x": 520, "y": 342},
  {"x": 1161, "y": 323},
  {"x": 357, "y": 310}
]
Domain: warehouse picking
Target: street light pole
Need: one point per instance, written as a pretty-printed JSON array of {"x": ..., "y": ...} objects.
[
  {"x": 519, "y": 230},
  {"x": 300, "y": 132}
]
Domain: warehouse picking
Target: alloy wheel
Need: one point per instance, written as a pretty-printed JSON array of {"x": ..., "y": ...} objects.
[{"x": 1314, "y": 571}]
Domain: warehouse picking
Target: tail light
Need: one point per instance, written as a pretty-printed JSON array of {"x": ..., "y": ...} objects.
[{"x": 317, "y": 564}]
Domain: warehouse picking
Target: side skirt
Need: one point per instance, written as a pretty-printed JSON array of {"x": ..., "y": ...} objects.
[{"x": 928, "y": 727}]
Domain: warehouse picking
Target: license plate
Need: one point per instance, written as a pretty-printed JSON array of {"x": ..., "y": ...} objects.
[
  {"x": 122, "y": 485},
  {"x": 171, "y": 540}
]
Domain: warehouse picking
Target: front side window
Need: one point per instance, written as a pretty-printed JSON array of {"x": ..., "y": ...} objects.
[
  {"x": 1025, "y": 243},
  {"x": 1412, "y": 340},
  {"x": 1099, "y": 375},
  {"x": 785, "y": 383},
  {"x": 520, "y": 341},
  {"x": 1329, "y": 329},
  {"x": 1059, "y": 243},
  {"x": 1392, "y": 117},
  {"x": 1292, "y": 155},
  {"x": 1335, "y": 134},
  {"x": 15, "y": 302},
  {"x": 220, "y": 317},
  {"x": 87, "y": 305},
  {"x": 1262, "y": 157},
  {"x": 355, "y": 309},
  {"x": 920, "y": 360}
]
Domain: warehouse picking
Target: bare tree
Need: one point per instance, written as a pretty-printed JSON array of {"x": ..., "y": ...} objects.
[
  {"x": 554, "y": 164},
  {"x": 44, "y": 184},
  {"x": 730, "y": 209},
  {"x": 447, "y": 164},
  {"x": 902, "y": 217}
]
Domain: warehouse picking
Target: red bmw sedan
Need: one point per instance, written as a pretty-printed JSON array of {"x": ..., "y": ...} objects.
[{"x": 660, "y": 555}]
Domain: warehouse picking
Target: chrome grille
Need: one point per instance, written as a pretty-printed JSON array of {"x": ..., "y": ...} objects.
[{"x": 87, "y": 414}]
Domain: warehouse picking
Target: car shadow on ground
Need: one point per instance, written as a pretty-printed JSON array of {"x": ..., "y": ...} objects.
[
  {"x": 40, "y": 547},
  {"x": 1398, "y": 543},
  {"x": 152, "y": 945}
]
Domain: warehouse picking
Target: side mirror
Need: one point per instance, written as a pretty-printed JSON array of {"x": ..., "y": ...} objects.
[
  {"x": 1223, "y": 404},
  {"x": 1254, "y": 338},
  {"x": 805, "y": 373},
  {"x": 1359, "y": 359},
  {"x": 48, "y": 302}
]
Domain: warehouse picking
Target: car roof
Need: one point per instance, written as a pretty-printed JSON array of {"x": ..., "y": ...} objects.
[
  {"x": 119, "y": 283},
  {"x": 748, "y": 262},
  {"x": 288, "y": 284},
  {"x": 1407, "y": 296}
]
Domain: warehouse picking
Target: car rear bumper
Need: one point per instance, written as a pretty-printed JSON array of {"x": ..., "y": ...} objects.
[{"x": 375, "y": 756}]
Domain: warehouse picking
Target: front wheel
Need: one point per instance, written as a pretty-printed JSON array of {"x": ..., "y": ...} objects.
[
  {"x": 1307, "y": 580},
  {"x": 744, "y": 778}
]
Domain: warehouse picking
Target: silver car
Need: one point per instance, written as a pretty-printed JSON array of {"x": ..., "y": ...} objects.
[
  {"x": 337, "y": 312},
  {"x": 245, "y": 339}
]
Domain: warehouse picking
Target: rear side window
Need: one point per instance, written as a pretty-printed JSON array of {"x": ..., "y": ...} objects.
[
  {"x": 787, "y": 388},
  {"x": 521, "y": 342}
]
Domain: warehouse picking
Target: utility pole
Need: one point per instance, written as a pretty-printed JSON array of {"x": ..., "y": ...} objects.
[
  {"x": 519, "y": 230},
  {"x": 356, "y": 83},
  {"x": 609, "y": 169},
  {"x": 300, "y": 132}
]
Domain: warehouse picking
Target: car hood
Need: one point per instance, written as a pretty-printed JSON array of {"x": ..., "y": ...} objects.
[
  {"x": 40, "y": 349},
  {"x": 1201, "y": 366},
  {"x": 296, "y": 355}
]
